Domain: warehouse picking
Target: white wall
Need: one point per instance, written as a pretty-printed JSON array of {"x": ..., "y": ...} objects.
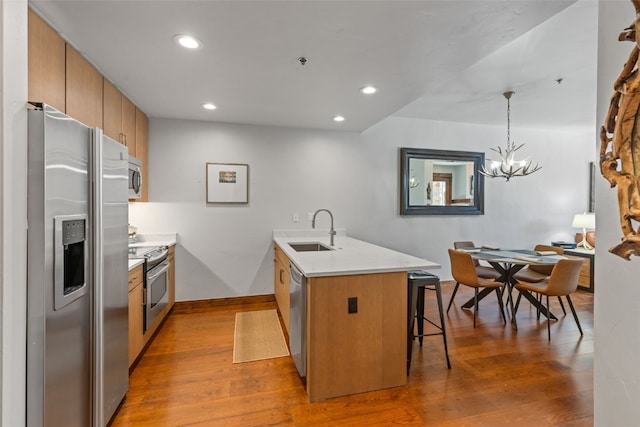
[
  {"x": 226, "y": 251},
  {"x": 617, "y": 302}
]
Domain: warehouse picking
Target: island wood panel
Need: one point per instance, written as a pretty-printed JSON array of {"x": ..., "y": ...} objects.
[
  {"x": 354, "y": 353},
  {"x": 281, "y": 273},
  {"x": 142, "y": 141},
  {"x": 84, "y": 86},
  {"x": 46, "y": 57}
]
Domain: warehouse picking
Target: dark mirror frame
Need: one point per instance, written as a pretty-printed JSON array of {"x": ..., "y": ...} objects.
[{"x": 406, "y": 154}]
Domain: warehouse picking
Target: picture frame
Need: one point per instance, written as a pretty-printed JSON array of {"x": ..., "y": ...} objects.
[{"x": 227, "y": 183}]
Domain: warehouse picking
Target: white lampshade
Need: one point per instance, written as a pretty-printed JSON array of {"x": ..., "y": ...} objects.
[{"x": 584, "y": 221}]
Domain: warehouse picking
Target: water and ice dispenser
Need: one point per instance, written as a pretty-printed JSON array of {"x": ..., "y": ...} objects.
[{"x": 70, "y": 259}]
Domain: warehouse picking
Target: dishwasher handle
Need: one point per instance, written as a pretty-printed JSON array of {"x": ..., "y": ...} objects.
[{"x": 296, "y": 275}]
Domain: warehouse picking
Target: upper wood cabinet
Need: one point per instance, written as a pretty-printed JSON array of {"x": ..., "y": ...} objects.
[
  {"x": 61, "y": 77},
  {"x": 112, "y": 111},
  {"x": 142, "y": 141},
  {"x": 84, "y": 90},
  {"x": 129, "y": 125},
  {"x": 46, "y": 64},
  {"x": 119, "y": 117}
]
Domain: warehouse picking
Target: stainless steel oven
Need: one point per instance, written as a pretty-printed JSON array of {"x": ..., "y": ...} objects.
[
  {"x": 156, "y": 280},
  {"x": 156, "y": 293}
]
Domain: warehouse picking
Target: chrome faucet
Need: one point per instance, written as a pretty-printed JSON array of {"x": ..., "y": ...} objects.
[{"x": 313, "y": 222}]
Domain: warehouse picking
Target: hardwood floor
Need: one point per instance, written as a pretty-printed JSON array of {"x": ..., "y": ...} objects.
[{"x": 499, "y": 376}]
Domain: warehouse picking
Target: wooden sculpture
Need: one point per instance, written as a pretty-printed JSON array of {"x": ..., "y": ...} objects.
[{"x": 620, "y": 152}]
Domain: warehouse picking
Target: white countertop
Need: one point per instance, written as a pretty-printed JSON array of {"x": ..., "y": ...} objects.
[
  {"x": 133, "y": 263},
  {"x": 163, "y": 239},
  {"x": 351, "y": 256}
]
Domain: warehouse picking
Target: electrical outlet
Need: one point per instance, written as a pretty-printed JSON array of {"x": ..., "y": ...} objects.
[
  {"x": 353, "y": 305},
  {"x": 296, "y": 217}
]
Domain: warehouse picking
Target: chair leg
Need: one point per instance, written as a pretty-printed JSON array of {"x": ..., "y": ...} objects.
[
  {"x": 475, "y": 307},
  {"x": 575, "y": 316},
  {"x": 452, "y": 296},
  {"x": 500, "y": 301},
  {"x": 562, "y": 305},
  {"x": 548, "y": 321},
  {"x": 420, "y": 315},
  {"x": 538, "y": 308},
  {"x": 444, "y": 332},
  {"x": 515, "y": 309}
]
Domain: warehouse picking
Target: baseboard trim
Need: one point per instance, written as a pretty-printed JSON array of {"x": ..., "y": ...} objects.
[{"x": 189, "y": 306}]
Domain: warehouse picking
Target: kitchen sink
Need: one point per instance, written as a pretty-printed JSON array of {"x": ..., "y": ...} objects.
[{"x": 310, "y": 247}]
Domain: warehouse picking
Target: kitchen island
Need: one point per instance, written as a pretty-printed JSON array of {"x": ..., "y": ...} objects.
[{"x": 356, "y": 311}]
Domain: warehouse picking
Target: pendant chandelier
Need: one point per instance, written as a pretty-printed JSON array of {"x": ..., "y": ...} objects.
[{"x": 508, "y": 167}]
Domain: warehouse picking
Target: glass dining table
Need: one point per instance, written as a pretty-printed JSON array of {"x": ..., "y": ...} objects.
[{"x": 508, "y": 262}]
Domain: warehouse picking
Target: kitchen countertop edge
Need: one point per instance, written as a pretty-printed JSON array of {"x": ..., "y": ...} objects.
[
  {"x": 133, "y": 263},
  {"x": 351, "y": 256}
]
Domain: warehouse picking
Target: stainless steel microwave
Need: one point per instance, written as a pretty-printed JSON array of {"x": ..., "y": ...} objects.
[{"x": 135, "y": 178}]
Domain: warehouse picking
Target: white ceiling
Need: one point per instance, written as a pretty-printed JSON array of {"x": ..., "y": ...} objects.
[{"x": 444, "y": 60}]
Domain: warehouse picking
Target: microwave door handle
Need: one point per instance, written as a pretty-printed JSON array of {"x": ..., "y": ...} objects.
[{"x": 137, "y": 181}]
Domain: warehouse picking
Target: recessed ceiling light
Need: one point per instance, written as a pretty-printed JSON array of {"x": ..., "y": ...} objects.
[
  {"x": 208, "y": 106},
  {"x": 188, "y": 42},
  {"x": 368, "y": 90},
  {"x": 338, "y": 119}
]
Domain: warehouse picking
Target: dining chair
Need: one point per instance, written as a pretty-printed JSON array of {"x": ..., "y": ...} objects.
[
  {"x": 483, "y": 271},
  {"x": 537, "y": 273},
  {"x": 563, "y": 281},
  {"x": 464, "y": 272}
]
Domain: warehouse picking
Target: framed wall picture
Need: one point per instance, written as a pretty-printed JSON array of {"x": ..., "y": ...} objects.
[{"x": 227, "y": 183}]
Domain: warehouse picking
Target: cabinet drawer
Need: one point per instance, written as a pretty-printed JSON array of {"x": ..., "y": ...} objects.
[
  {"x": 282, "y": 258},
  {"x": 135, "y": 277}
]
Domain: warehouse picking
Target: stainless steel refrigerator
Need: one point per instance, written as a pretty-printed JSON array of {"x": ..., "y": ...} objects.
[{"x": 77, "y": 289}]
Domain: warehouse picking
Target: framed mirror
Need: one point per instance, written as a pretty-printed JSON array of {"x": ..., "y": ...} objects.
[{"x": 441, "y": 182}]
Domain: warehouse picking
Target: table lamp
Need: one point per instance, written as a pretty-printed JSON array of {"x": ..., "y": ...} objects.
[{"x": 584, "y": 221}]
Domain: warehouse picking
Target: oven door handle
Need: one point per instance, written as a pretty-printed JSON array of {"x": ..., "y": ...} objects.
[{"x": 161, "y": 270}]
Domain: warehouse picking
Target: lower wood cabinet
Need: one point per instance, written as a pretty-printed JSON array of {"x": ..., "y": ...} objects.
[
  {"x": 281, "y": 284},
  {"x": 138, "y": 337},
  {"x": 585, "y": 280},
  {"x": 136, "y": 313}
]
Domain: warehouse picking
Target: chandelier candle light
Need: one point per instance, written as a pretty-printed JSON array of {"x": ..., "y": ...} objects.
[{"x": 507, "y": 167}]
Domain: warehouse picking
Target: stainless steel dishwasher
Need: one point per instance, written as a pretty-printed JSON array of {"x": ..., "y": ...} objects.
[{"x": 298, "y": 319}]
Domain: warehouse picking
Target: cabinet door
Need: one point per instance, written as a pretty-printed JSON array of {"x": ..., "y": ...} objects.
[
  {"x": 112, "y": 111},
  {"x": 281, "y": 285},
  {"x": 142, "y": 137},
  {"x": 136, "y": 325},
  {"x": 46, "y": 64},
  {"x": 83, "y": 89},
  {"x": 129, "y": 125}
]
